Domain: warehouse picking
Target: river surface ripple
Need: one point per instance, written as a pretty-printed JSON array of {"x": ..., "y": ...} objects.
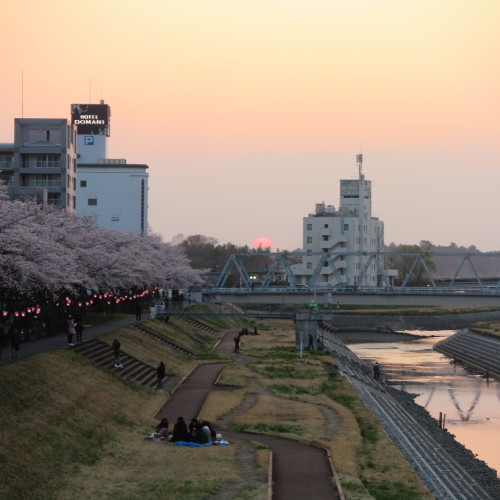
[{"x": 471, "y": 403}]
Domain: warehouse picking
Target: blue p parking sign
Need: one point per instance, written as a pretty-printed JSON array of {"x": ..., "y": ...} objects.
[{"x": 89, "y": 140}]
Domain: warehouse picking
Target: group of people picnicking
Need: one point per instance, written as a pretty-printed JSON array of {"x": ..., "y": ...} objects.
[
  {"x": 237, "y": 339},
  {"x": 198, "y": 432}
]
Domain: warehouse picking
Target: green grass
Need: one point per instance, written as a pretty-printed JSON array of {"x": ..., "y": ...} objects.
[
  {"x": 270, "y": 428},
  {"x": 275, "y": 370}
]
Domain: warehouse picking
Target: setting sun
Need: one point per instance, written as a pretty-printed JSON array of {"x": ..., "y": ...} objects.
[{"x": 262, "y": 241}]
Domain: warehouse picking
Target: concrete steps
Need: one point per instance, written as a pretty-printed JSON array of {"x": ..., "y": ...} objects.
[
  {"x": 133, "y": 369},
  {"x": 200, "y": 325},
  {"x": 163, "y": 340}
]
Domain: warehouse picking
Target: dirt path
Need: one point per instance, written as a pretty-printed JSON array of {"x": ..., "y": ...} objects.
[{"x": 299, "y": 471}]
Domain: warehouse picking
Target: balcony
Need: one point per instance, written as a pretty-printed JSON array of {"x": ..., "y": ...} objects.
[
  {"x": 6, "y": 165},
  {"x": 46, "y": 164},
  {"x": 40, "y": 183}
]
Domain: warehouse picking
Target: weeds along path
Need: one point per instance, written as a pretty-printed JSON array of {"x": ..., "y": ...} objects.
[{"x": 299, "y": 471}]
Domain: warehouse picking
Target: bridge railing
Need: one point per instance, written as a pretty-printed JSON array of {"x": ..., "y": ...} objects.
[{"x": 396, "y": 290}]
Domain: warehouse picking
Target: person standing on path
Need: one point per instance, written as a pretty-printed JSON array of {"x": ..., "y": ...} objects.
[
  {"x": 376, "y": 371},
  {"x": 160, "y": 372},
  {"x": 116, "y": 352},
  {"x": 138, "y": 312},
  {"x": 15, "y": 341},
  {"x": 237, "y": 340},
  {"x": 2, "y": 334},
  {"x": 79, "y": 329},
  {"x": 71, "y": 329}
]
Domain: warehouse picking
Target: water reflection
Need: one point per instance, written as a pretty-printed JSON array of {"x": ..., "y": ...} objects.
[{"x": 470, "y": 402}]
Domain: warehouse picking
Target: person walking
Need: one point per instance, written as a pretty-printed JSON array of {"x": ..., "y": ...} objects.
[
  {"x": 138, "y": 312},
  {"x": 376, "y": 371},
  {"x": 160, "y": 373},
  {"x": 71, "y": 329},
  {"x": 116, "y": 352}
]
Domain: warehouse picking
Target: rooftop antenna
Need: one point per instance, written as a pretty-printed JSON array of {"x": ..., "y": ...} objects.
[{"x": 359, "y": 161}]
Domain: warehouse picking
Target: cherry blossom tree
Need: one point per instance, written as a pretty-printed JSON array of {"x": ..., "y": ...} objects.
[{"x": 47, "y": 254}]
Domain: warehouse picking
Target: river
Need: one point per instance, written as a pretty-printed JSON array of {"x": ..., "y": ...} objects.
[{"x": 471, "y": 403}]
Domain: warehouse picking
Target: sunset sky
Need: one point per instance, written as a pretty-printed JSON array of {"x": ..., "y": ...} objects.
[{"x": 248, "y": 112}]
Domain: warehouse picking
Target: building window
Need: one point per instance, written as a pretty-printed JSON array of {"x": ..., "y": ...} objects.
[
  {"x": 309, "y": 252},
  {"x": 325, "y": 237},
  {"x": 325, "y": 226},
  {"x": 325, "y": 264},
  {"x": 83, "y": 184},
  {"x": 45, "y": 161},
  {"x": 346, "y": 227},
  {"x": 325, "y": 250},
  {"x": 53, "y": 198},
  {"x": 92, "y": 201},
  {"x": 309, "y": 265},
  {"x": 309, "y": 227},
  {"x": 309, "y": 239},
  {"x": 47, "y": 135}
]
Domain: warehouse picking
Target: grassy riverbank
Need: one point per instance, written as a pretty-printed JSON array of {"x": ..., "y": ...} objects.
[
  {"x": 412, "y": 310},
  {"x": 492, "y": 329},
  {"x": 70, "y": 429}
]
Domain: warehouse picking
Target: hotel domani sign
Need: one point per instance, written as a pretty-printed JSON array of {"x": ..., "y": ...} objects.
[{"x": 91, "y": 119}]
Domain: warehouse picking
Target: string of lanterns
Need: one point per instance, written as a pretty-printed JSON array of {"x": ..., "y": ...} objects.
[{"x": 68, "y": 301}]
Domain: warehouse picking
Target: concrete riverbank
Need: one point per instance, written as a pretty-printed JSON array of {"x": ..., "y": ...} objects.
[{"x": 346, "y": 320}]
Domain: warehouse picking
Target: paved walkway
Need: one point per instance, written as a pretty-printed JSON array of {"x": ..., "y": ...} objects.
[
  {"x": 58, "y": 341},
  {"x": 299, "y": 471}
]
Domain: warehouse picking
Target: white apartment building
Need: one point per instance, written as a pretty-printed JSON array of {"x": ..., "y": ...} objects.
[
  {"x": 115, "y": 193},
  {"x": 330, "y": 235},
  {"x": 112, "y": 191}
]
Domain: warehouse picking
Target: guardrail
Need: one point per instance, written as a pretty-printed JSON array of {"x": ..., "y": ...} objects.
[{"x": 472, "y": 291}]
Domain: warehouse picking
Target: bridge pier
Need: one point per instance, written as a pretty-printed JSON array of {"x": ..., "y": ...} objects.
[{"x": 306, "y": 329}]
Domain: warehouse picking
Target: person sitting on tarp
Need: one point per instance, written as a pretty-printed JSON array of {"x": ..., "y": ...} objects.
[
  {"x": 180, "y": 432},
  {"x": 162, "y": 429}
]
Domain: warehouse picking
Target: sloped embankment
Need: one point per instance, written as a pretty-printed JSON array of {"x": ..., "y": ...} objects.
[{"x": 474, "y": 350}]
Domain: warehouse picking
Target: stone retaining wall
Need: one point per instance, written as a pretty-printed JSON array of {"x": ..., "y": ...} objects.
[{"x": 413, "y": 322}]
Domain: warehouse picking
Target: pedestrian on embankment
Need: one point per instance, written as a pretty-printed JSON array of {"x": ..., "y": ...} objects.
[
  {"x": 116, "y": 352},
  {"x": 79, "y": 329},
  {"x": 376, "y": 371},
  {"x": 237, "y": 341},
  {"x": 70, "y": 329},
  {"x": 160, "y": 374},
  {"x": 15, "y": 342}
]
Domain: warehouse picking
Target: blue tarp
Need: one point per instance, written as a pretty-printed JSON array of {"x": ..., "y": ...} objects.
[{"x": 190, "y": 443}]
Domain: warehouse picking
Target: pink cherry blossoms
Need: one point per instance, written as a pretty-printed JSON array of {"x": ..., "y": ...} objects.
[{"x": 46, "y": 253}]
